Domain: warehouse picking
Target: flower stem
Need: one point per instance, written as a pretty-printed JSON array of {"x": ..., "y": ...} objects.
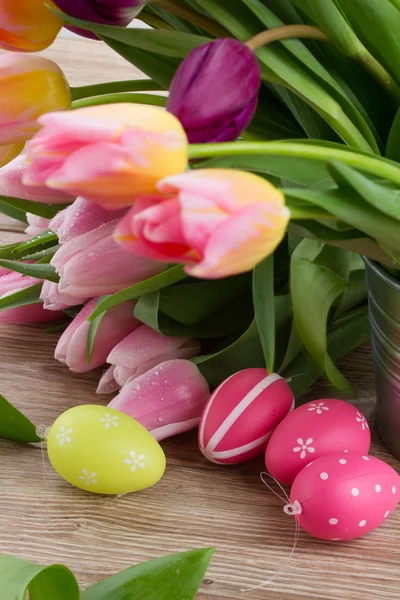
[
  {"x": 284, "y": 33},
  {"x": 152, "y": 99},
  {"x": 112, "y": 87},
  {"x": 381, "y": 167},
  {"x": 194, "y": 17}
]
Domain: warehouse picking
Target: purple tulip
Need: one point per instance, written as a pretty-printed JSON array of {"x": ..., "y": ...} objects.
[
  {"x": 108, "y": 12},
  {"x": 214, "y": 92}
]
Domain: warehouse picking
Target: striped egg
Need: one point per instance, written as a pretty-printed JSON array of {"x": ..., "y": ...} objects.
[
  {"x": 343, "y": 496},
  {"x": 241, "y": 414}
]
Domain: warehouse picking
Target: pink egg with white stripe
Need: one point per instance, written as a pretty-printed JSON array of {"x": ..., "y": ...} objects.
[
  {"x": 313, "y": 430},
  {"x": 241, "y": 414},
  {"x": 343, "y": 496}
]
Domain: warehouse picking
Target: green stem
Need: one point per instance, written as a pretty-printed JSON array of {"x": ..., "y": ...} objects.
[
  {"x": 151, "y": 99},
  {"x": 379, "y": 73},
  {"x": 113, "y": 87},
  {"x": 370, "y": 164},
  {"x": 285, "y": 33},
  {"x": 298, "y": 213},
  {"x": 154, "y": 21}
]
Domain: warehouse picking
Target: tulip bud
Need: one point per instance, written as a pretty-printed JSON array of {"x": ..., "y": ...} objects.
[
  {"x": 116, "y": 324},
  {"x": 108, "y": 12},
  {"x": 29, "y": 87},
  {"x": 140, "y": 351},
  {"x": 109, "y": 154},
  {"x": 36, "y": 224},
  {"x": 11, "y": 182},
  {"x": 219, "y": 222},
  {"x": 214, "y": 92},
  {"x": 167, "y": 400},
  {"x": 80, "y": 217},
  {"x": 53, "y": 299},
  {"x": 93, "y": 264},
  {"x": 10, "y": 283},
  {"x": 241, "y": 414},
  {"x": 27, "y": 26}
]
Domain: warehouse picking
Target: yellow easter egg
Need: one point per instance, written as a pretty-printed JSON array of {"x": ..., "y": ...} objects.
[{"x": 104, "y": 451}]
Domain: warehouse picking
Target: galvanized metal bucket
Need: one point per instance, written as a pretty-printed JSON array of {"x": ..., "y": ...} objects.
[{"x": 384, "y": 314}]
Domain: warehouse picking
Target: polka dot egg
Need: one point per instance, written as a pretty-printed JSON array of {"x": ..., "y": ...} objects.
[
  {"x": 313, "y": 430},
  {"x": 104, "y": 451},
  {"x": 343, "y": 496}
]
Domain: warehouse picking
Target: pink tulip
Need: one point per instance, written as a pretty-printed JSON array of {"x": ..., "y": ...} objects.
[
  {"x": 11, "y": 185},
  {"x": 53, "y": 299},
  {"x": 36, "y": 224},
  {"x": 167, "y": 400},
  {"x": 109, "y": 154},
  {"x": 218, "y": 221},
  {"x": 80, "y": 217},
  {"x": 93, "y": 264},
  {"x": 117, "y": 323},
  {"x": 11, "y": 282},
  {"x": 140, "y": 351}
]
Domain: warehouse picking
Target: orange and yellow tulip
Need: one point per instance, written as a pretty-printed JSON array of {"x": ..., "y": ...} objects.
[
  {"x": 27, "y": 26},
  {"x": 29, "y": 87}
]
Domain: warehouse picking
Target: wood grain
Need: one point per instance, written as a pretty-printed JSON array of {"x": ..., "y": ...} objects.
[{"x": 196, "y": 504}]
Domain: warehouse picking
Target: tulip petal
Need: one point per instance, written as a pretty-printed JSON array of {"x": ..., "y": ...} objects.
[
  {"x": 167, "y": 400},
  {"x": 107, "y": 383},
  {"x": 53, "y": 299}
]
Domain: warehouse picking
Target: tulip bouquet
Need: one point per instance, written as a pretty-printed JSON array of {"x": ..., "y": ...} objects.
[{"x": 215, "y": 228}]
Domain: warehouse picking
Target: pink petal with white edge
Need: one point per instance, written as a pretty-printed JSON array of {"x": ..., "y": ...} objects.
[
  {"x": 167, "y": 400},
  {"x": 36, "y": 224},
  {"x": 53, "y": 299},
  {"x": 117, "y": 323},
  {"x": 242, "y": 241},
  {"x": 107, "y": 383}
]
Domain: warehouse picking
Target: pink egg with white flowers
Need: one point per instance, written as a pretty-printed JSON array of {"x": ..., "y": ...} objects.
[
  {"x": 313, "y": 430},
  {"x": 241, "y": 414},
  {"x": 343, "y": 496}
]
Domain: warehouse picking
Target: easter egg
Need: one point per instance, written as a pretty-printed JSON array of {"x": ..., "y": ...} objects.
[
  {"x": 313, "y": 430},
  {"x": 240, "y": 415},
  {"x": 104, "y": 451},
  {"x": 343, "y": 496}
]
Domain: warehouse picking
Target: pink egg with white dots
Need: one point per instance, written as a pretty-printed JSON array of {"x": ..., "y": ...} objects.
[
  {"x": 343, "y": 496},
  {"x": 313, "y": 430}
]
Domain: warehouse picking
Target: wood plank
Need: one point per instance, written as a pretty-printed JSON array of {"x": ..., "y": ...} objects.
[{"x": 196, "y": 504}]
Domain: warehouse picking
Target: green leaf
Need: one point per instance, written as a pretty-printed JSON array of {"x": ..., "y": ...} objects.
[
  {"x": 314, "y": 288},
  {"x": 94, "y": 325},
  {"x": 344, "y": 336},
  {"x": 35, "y": 208},
  {"x": 174, "y": 577},
  {"x": 44, "y": 240},
  {"x": 41, "y": 271},
  {"x": 393, "y": 143},
  {"x": 168, "y": 43},
  {"x": 298, "y": 49},
  {"x": 354, "y": 295},
  {"x": 114, "y": 87},
  {"x": 377, "y": 23},
  {"x": 134, "y": 98},
  {"x": 152, "y": 284},
  {"x": 160, "y": 68},
  {"x": 264, "y": 308},
  {"x": 15, "y": 426},
  {"x": 244, "y": 352},
  {"x": 193, "y": 301},
  {"x": 13, "y": 213},
  {"x": 19, "y": 577},
  {"x": 227, "y": 320},
  {"x": 29, "y": 295}
]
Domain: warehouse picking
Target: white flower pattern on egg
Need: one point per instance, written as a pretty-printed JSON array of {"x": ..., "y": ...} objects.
[
  {"x": 64, "y": 435},
  {"x": 135, "y": 461},
  {"x": 88, "y": 478},
  {"x": 304, "y": 447},
  {"x": 109, "y": 420},
  {"x": 319, "y": 408},
  {"x": 361, "y": 419}
]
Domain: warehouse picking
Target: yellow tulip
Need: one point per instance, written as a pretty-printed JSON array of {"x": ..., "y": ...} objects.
[
  {"x": 27, "y": 26},
  {"x": 29, "y": 87}
]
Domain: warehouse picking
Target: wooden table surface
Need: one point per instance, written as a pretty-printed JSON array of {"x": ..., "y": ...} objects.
[{"x": 196, "y": 504}]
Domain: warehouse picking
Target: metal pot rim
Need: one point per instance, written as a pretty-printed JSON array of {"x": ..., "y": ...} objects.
[{"x": 382, "y": 274}]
